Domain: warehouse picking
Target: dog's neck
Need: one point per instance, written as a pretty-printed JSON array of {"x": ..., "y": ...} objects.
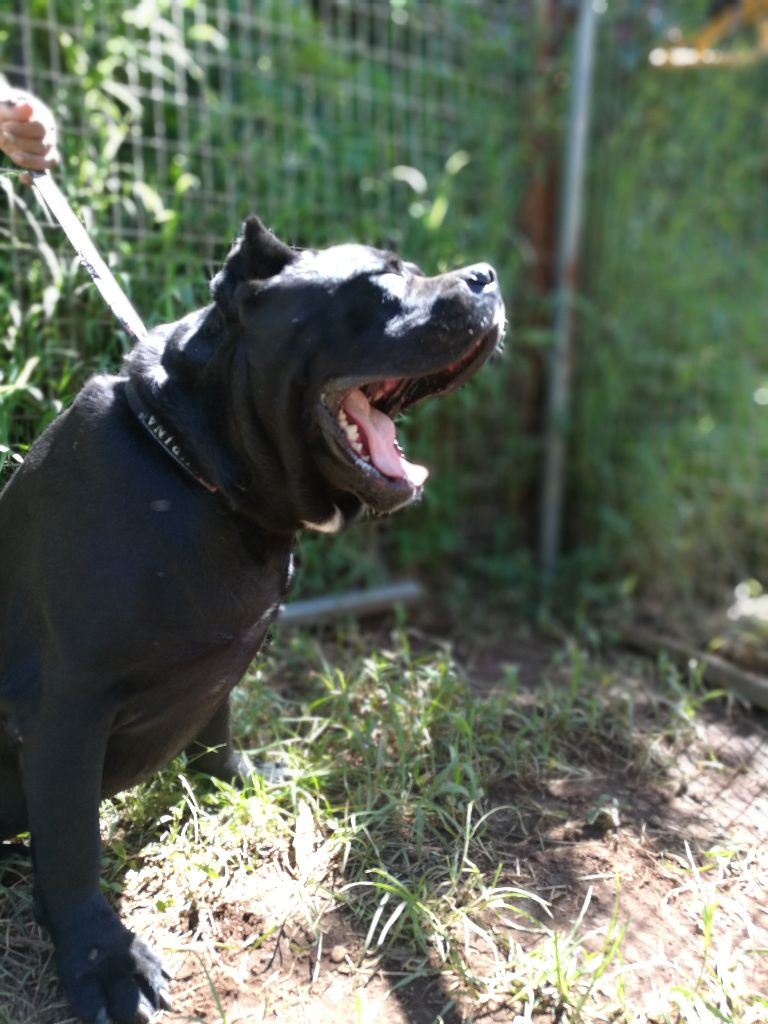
[
  {"x": 169, "y": 442},
  {"x": 198, "y": 356}
]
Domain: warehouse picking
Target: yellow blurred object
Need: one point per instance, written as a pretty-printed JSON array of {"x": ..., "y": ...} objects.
[{"x": 702, "y": 48}]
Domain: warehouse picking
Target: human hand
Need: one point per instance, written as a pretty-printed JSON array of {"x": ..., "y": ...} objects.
[{"x": 28, "y": 134}]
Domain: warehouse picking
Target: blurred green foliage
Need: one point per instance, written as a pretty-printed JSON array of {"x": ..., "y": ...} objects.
[{"x": 671, "y": 413}]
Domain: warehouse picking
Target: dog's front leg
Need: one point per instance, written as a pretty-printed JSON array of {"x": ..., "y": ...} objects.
[{"x": 105, "y": 969}]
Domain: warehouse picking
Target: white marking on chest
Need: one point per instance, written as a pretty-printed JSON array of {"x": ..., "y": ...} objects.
[{"x": 330, "y": 525}]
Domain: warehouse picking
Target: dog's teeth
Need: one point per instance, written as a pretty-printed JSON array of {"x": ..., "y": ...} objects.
[{"x": 342, "y": 418}]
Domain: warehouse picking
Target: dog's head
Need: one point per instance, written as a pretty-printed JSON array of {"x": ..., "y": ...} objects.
[{"x": 327, "y": 347}]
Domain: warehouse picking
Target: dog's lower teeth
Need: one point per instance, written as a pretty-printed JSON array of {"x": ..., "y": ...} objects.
[{"x": 352, "y": 434}]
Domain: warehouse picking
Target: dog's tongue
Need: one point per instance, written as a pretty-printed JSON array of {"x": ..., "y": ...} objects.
[{"x": 378, "y": 431}]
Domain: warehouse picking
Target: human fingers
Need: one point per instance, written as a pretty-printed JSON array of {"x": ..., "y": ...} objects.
[
  {"x": 18, "y": 149},
  {"x": 28, "y": 119},
  {"x": 27, "y": 129},
  {"x": 35, "y": 161},
  {"x": 28, "y": 134},
  {"x": 12, "y": 140},
  {"x": 19, "y": 110}
]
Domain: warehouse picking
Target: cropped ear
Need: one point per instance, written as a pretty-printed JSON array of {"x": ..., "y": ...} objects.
[{"x": 257, "y": 254}]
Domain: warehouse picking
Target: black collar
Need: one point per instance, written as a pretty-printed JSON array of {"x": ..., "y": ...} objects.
[{"x": 163, "y": 436}]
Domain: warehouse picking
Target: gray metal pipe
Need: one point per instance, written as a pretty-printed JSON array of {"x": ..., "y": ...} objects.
[
  {"x": 352, "y": 604},
  {"x": 571, "y": 211}
]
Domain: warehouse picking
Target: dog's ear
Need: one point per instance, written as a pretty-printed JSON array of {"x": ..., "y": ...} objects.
[
  {"x": 264, "y": 254},
  {"x": 256, "y": 255}
]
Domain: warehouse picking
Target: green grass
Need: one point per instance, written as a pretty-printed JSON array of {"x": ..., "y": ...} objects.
[
  {"x": 411, "y": 800},
  {"x": 424, "y": 819}
]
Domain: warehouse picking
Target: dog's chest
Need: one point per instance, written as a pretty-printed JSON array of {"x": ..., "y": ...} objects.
[{"x": 164, "y": 710}]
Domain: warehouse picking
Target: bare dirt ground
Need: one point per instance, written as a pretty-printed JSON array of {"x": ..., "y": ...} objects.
[{"x": 605, "y": 852}]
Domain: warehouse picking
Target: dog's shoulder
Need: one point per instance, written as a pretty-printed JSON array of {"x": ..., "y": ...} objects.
[{"x": 93, "y": 403}]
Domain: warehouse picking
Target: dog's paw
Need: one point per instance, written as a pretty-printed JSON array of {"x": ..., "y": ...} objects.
[
  {"x": 240, "y": 771},
  {"x": 108, "y": 973},
  {"x": 274, "y": 773}
]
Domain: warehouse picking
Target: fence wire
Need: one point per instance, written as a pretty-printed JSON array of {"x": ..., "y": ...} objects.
[
  {"x": 434, "y": 127},
  {"x": 326, "y": 117},
  {"x": 395, "y": 123}
]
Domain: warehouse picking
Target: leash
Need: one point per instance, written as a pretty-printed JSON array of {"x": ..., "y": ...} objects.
[{"x": 57, "y": 204}]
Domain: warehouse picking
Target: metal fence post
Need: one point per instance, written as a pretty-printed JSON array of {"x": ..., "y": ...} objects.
[{"x": 571, "y": 208}]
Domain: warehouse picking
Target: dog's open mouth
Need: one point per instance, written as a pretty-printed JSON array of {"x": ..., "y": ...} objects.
[
  {"x": 371, "y": 435},
  {"x": 360, "y": 417}
]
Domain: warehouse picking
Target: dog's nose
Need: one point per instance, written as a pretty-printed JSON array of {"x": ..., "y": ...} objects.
[{"x": 479, "y": 276}]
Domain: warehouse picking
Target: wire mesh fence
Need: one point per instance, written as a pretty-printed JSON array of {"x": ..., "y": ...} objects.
[
  {"x": 327, "y": 117},
  {"x": 434, "y": 127},
  {"x": 394, "y": 123}
]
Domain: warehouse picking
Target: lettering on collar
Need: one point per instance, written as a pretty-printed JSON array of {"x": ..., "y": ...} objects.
[
  {"x": 164, "y": 437},
  {"x": 162, "y": 434}
]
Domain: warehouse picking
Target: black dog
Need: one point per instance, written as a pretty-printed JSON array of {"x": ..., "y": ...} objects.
[{"x": 147, "y": 544}]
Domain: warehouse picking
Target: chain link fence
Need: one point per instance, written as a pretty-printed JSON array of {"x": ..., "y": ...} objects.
[
  {"x": 395, "y": 123},
  {"x": 329, "y": 118},
  {"x": 434, "y": 127}
]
